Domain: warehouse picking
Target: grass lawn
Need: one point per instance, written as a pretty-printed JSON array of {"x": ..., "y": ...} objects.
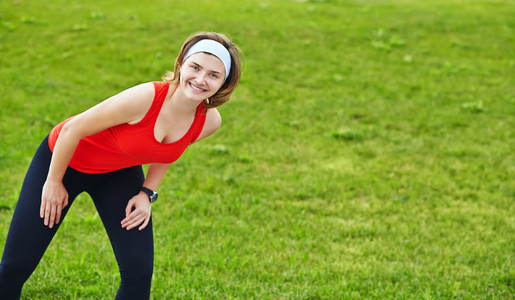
[{"x": 368, "y": 152}]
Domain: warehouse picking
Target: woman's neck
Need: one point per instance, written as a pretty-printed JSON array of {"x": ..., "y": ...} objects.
[{"x": 180, "y": 104}]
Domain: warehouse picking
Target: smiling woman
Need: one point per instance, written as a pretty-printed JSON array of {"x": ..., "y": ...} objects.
[
  {"x": 231, "y": 75},
  {"x": 101, "y": 150}
]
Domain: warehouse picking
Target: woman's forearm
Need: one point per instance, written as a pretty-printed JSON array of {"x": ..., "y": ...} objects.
[
  {"x": 62, "y": 154},
  {"x": 155, "y": 175}
]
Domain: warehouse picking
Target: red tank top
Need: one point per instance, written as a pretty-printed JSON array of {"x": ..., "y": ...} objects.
[{"x": 128, "y": 145}]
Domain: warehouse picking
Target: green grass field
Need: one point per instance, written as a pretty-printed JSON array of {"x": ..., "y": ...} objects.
[{"x": 367, "y": 154}]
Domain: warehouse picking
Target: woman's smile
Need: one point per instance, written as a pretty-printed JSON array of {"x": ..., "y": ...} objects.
[{"x": 196, "y": 88}]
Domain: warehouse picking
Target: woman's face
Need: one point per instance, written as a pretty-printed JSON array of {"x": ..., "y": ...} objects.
[{"x": 202, "y": 75}]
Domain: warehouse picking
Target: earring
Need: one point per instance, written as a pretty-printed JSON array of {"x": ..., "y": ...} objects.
[{"x": 207, "y": 100}]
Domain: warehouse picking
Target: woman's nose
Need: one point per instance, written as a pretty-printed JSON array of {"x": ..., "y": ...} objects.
[{"x": 200, "y": 79}]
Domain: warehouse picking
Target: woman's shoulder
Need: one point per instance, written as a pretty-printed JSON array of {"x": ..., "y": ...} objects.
[
  {"x": 150, "y": 88},
  {"x": 147, "y": 94},
  {"x": 142, "y": 90},
  {"x": 212, "y": 123},
  {"x": 213, "y": 116},
  {"x": 158, "y": 85},
  {"x": 135, "y": 101}
]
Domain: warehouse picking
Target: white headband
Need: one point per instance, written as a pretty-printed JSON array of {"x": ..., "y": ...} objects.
[{"x": 212, "y": 47}]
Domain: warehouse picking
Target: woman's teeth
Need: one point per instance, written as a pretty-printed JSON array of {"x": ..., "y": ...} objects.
[{"x": 196, "y": 88}]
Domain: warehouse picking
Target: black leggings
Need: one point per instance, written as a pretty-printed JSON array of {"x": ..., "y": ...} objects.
[{"x": 28, "y": 238}]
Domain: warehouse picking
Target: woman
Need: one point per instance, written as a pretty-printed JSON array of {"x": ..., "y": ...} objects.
[{"x": 101, "y": 150}]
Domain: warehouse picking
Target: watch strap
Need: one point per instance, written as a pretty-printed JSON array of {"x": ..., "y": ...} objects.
[
  {"x": 152, "y": 195},
  {"x": 147, "y": 191}
]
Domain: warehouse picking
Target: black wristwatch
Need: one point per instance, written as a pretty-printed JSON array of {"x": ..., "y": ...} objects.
[{"x": 151, "y": 194}]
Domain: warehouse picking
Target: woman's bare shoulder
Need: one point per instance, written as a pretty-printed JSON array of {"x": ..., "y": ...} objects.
[{"x": 212, "y": 123}]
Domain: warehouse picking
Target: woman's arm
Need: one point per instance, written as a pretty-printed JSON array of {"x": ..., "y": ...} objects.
[
  {"x": 129, "y": 106},
  {"x": 125, "y": 107},
  {"x": 138, "y": 209}
]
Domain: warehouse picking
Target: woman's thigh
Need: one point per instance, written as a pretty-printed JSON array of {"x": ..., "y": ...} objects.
[{"x": 133, "y": 249}]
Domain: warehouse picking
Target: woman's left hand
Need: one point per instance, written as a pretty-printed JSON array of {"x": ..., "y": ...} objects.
[{"x": 138, "y": 211}]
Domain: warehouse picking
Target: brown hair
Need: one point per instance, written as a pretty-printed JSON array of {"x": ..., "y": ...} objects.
[{"x": 224, "y": 93}]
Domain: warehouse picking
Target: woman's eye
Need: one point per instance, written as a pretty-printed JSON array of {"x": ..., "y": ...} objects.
[
  {"x": 213, "y": 75},
  {"x": 194, "y": 68}
]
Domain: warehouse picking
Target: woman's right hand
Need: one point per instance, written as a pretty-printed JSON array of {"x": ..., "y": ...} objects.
[{"x": 53, "y": 199}]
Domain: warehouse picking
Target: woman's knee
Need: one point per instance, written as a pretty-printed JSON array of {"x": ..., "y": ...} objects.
[
  {"x": 14, "y": 273},
  {"x": 137, "y": 269}
]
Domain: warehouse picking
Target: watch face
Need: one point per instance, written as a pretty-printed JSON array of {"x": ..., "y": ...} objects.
[{"x": 153, "y": 198}]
